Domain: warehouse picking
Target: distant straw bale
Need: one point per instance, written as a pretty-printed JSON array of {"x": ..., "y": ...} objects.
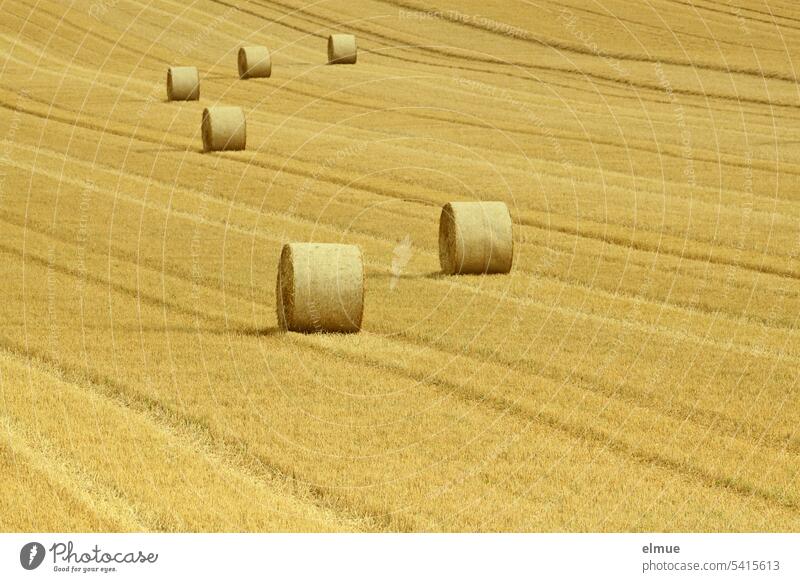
[
  {"x": 183, "y": 84},
  {"x": 224, "y": 128},
  {"x": 342, "y": 49},
  {"x": 254, "y": 61},
  {"x": 320, "y": 288},
  {"x": 475, "y": 237}
]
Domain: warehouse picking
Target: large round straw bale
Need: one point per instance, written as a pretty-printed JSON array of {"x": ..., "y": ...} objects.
[
  {"x": 224, "y": 128},
  {"x": 254, "y": 61},
  {"x": 475, "y": 237},
  {"x": 183, "y": 84},
  {"x": 342, "y": 49},
  {"x": 320, "y": 288}
]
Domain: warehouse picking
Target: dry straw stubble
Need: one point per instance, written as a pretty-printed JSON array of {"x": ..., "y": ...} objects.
[
  {"x": 320, "y": 288},
  {"x": 342, "y": 49},
  {"x": 475, "y": 237},
  {"x": 183, "y": 84},
  {"x": 224, "y": 128},
  {"x": 254, "y": 62}
]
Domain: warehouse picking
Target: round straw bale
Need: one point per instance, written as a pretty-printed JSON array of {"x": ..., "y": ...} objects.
[
  {"x": 342, "y": 49},
  {"x": 224, "y": 128},
  {"x": 475, "y": 237},
  {"x": 254, "y": 61},
  {"x": 320, "y": 288},
  {"x": 183, "y": 84}
]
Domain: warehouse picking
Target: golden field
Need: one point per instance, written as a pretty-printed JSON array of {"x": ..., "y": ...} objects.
[{"x": 637, "y": 370}]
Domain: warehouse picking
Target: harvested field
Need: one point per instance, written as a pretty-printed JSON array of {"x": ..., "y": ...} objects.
[{"x": 638, "y": 368}]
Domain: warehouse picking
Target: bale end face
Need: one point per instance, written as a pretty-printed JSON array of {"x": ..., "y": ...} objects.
[
  {"x": 448, "y": 241},
  {"x": 183, "y": 84},
  {"x": 475, "y": 238},
  {"x": 342, "y": 49},
  {"x": 254, "y": 62},
  {"x": 224, "y": 129},
  {"x": 320, "y": 288},
  {"x": 284, "y": 289}
]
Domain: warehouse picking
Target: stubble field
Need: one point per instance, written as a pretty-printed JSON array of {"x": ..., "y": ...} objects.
[{"x": 636, "y": 370}]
